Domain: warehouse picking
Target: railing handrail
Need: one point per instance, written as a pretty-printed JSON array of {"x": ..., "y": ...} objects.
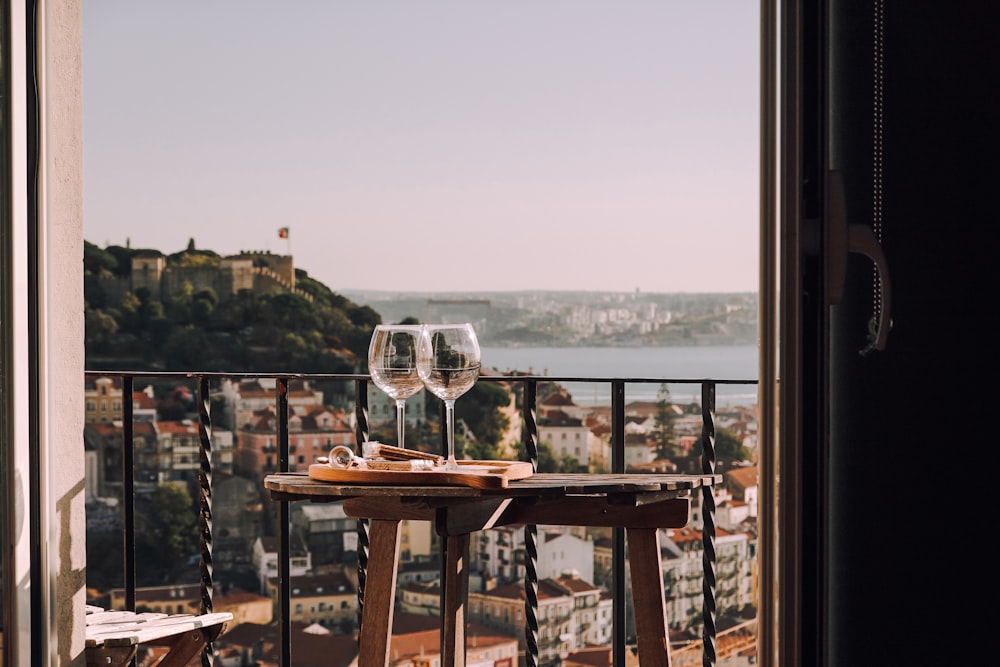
[{"x": 529, "y": 439}]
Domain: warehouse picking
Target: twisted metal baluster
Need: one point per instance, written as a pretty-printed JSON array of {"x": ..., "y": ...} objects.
[
  {"x": 529, "y": 437},
  {"x": 128, "y": 491},
  {"x": 619, "y": 582},
  {"x": 361, "y": 435},
  {"x": 708, "y": 521},
  {"x": 284, "y": 537},
  {"x": 205, "y": 507}
]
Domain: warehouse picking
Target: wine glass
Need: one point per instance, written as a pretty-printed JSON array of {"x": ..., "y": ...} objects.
[
  {"x": 448, "y": 364},
  {"x": 392, "y": 364}
]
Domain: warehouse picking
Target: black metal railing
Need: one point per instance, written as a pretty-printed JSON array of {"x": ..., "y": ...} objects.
[{"x": 529, "y": 431}]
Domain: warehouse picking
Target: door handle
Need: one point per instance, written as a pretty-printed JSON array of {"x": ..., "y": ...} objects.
[{"x": 844, "y": 237}]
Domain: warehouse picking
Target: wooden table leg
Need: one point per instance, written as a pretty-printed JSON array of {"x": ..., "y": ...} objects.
[
  {"x": 456, "y": 594},
  {"x": 648, "y": 597},
  {"x": 380, "y": 593}
]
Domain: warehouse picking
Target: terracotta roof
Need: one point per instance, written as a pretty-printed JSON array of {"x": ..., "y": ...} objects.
[
  {"x": 559, "y": 418},
  {"x": 405, "y": 623},
  {"x": 295, "y": 545},
  {"x": 428, "y": 587},
  {"x": 558, "y": 398},
  {"x": 105, "y": 429},
  {"x": 322, "y": 584},
  {"x": 312, "y": 650},
  {"x": 142, "y": 400},
  {"x": 575, "y": 584},
  {"x": 236, "y": 596},
  {"x": 744, "y": 477},
  {"x": 177, "y": 428},
  {"x": 90, "y": 384},
  {"x": 428, "y": 642}
]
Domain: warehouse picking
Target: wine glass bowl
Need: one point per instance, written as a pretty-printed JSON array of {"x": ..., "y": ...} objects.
[
  {"x": 392, "y": 364},
  {"x": 448, "y": 362}
]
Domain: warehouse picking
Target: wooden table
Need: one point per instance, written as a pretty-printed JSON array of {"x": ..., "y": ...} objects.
[{"x": 639, "y": 503}]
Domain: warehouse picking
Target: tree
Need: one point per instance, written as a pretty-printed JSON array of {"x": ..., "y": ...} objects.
[
  {"x": 663, "y": 427},
  {"x": 170, "y": 536},
  {"x": 546, "y": 459},
  {"x": 728, "y": 447},
  {"x": 569, "y": 464},
  {"x": 99, "y": 330},
  {"x": 96, "y": 261},
  {"x": 480, "y": 409}
]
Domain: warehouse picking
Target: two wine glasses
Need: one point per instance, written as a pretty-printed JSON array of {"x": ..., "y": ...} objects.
[{"x": 444, "y": 358}]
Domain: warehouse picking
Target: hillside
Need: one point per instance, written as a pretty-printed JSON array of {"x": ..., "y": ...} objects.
[{"x": 197, "y": 310}]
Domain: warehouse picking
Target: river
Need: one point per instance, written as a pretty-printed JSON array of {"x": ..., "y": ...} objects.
[{"x": 722, "y": 362}]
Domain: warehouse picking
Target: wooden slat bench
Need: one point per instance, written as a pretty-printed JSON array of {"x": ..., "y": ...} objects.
[{"x": 114, "y": 637}]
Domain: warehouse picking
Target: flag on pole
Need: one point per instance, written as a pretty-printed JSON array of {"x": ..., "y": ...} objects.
[{"x": 283, "y": 233}]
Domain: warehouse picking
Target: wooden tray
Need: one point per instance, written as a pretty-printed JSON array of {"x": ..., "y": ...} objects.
[{"x": 478, "y": 474}]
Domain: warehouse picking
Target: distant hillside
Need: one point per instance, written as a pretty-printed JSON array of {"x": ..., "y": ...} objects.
[
  {"x": 196, "y": 310},
  {"x": 571, "y": 318}
]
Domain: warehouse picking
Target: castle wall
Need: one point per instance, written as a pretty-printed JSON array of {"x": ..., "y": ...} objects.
[
  {"x": 203, "y": 277},
  {"x": 147, "y": 271},
  {"x": 234, "y": 274}
]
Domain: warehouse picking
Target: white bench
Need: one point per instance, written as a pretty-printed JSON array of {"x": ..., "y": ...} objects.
[{"x": 114, "y": 637}]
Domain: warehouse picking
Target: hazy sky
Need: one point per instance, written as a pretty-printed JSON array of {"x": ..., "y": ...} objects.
[{"x": 430, "y": 144}]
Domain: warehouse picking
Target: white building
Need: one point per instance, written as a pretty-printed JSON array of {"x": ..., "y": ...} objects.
[
  {"x": 560, "y": 553},
  {"x": 265, "y": 559},
  {"x": 420, "y": 597},
  {"x": 568, "y": 436},
  {"x": 683, "y": 573},
  {"x": 498, "y": 555}
]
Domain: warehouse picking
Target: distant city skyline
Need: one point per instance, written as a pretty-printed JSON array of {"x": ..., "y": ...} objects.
[{"x": 554, "y": 146}]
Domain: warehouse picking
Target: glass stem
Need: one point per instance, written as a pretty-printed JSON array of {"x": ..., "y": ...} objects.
[
  {"x": 400, "y": 420},
  {"x": 449, "y": 410}
]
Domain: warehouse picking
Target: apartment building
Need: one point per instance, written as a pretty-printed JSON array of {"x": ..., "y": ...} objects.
[
  {"x": 163, "y": 451},
  {"x": 568, "y": 436},
  {"x": 329, "y": 600},
  {"x": 245, "y": 397},
  {"x": 499, "y": 555},
  {"x": 265, "y": 559},
  {"x": 313, "y": 432},
  {"x": 572, "y": 613}
]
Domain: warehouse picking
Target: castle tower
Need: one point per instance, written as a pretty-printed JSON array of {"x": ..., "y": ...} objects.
[{"x": 147, "y": 271}]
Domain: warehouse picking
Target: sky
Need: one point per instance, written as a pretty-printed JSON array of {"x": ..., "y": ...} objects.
[{"x": 432, "y": 145}]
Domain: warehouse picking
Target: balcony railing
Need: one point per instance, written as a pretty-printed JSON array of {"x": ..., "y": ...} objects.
[{"x": 529, "y": 435}]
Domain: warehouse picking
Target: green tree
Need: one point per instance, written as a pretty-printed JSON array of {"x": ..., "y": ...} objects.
[
  {"x": 179, "y": 304},
  {"x": 546, "y": 458},
  {"x": 98, "y": 262},
  {"x": 104, "y": 559},
  {"x": 480, "y": 409},
  {"x": 123, "y": 259},
  {"x": 662, "y": 433},
  {"x": 99, "y": 330},
  {"x": 170, "y": 535},
  {"x": 728, "y": 447},
  {"x": 569, "y": 464}
]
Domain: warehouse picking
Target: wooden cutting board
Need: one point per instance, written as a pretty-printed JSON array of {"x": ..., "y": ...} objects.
[{"x": 477, "y": 474}]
